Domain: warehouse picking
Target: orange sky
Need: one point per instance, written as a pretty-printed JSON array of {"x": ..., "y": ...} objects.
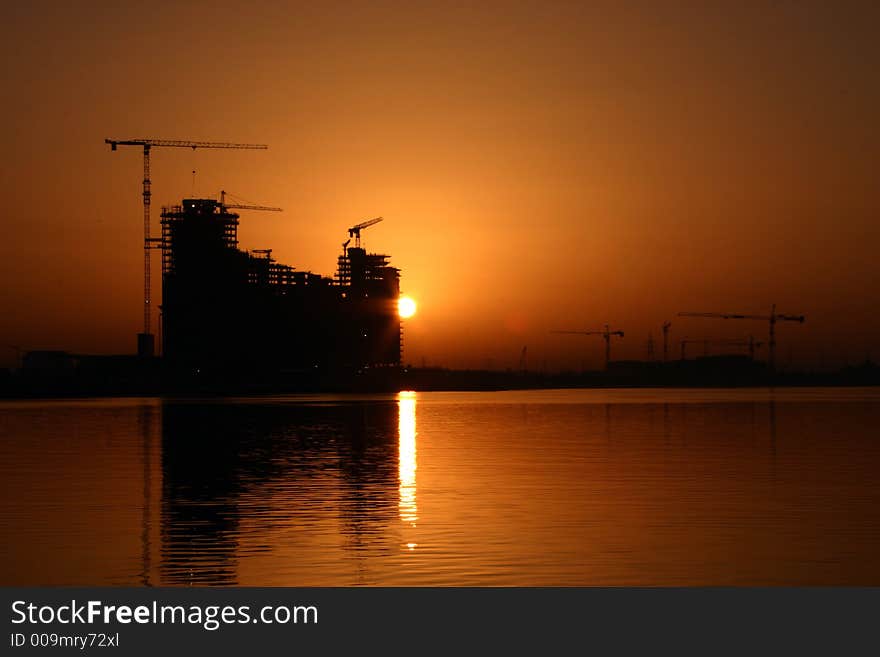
[{"x": 537, "y": 167}]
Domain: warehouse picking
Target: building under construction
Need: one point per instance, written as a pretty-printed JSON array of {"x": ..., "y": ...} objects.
[{"x": 225, "y": 309}]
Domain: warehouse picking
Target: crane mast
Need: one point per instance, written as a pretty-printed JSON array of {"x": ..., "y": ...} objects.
[
  {"x": 146, "y": 341},
  {"x": 666, "y": 326}
]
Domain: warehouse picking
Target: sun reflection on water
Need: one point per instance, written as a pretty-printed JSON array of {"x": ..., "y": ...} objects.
[{"x": 407, "y": 457}]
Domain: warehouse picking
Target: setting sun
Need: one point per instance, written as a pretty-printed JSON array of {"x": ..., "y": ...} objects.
[{"x": 406, "y": 307}]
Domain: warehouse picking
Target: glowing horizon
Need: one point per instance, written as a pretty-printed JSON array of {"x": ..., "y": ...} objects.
[{"x": 572, "y": 165}]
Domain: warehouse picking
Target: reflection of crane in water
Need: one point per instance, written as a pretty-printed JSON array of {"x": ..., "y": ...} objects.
[
  {"x": 145, "y": 420},
  {"x": 606, "y": 334}
]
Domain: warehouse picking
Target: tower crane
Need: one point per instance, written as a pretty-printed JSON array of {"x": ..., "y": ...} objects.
[
  {"x": 238, "y": 206},
  {"x": 145, "y": 339},
  {"x": 772, "y": 318},
  {"x": 523, "y": 359},
  {"x": 606, "y": 334},
  {"x": 666, "y": 326},
  {"x": 355, "y": 231}
]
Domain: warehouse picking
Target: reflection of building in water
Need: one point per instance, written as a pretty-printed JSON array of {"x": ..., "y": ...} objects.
[
  {"x": 236, "y": 473},
  {"x": 200, "y": 484},
  {"x": 364, "y": 456},
  {"x": 406, "y": 429}
]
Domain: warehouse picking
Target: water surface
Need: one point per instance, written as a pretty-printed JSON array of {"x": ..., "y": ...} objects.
[{"x": 575, "y": 487}]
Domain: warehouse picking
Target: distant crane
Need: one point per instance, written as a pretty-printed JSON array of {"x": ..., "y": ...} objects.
[
  {"x": 355, "y": 231},
  {"x": 237, "y": 206},
  {"x": 666, "y": 326},
  {"x": 523, "y": 359},
  {"x": 772, "y": 318},
  {"x": 606, "y": 334},
  {"x": 751, "y": 343},
  {"x": 145, "y": 343}
]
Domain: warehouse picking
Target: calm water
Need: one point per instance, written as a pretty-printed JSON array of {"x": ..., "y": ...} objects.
[{"x": 513, "y": 488}]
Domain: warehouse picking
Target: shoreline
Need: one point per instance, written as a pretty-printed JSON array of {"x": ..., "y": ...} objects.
[{"x": 150, "y": 379}]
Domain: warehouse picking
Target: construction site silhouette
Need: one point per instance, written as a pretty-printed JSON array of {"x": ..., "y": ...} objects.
[
  {"x": 233, "y": 320},
  {"x": 228, "y": 311}
]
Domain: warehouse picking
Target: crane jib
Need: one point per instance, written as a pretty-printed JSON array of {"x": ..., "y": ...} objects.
[{"x": 174, "y": 143}]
